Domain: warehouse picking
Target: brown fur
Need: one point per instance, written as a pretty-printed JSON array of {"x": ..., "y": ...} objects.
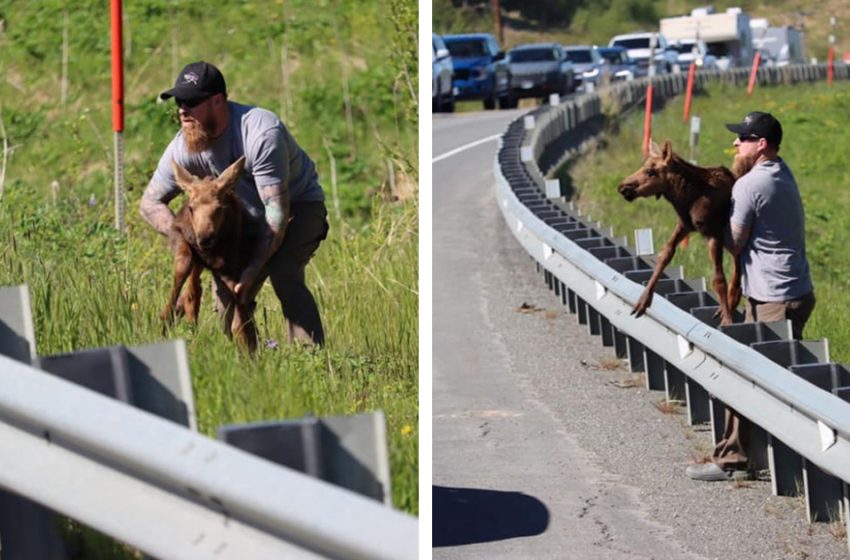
[
  {"x": 701, "y": 197},
  {"x": 207, "y": 233}
]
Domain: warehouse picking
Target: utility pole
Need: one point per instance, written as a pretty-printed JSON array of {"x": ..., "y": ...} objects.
[{"x": 497, "y": 21}]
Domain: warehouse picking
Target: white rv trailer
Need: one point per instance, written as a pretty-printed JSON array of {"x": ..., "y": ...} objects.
[{"x": 727, "y": 34}]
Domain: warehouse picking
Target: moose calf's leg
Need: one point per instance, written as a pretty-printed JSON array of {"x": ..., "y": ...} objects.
[
  {"x": 192, "y": 295},
  {"x": 718, "y": 280},
  {"x": 182, "y": 269},
  {"x": 224, "y": 304},
  {"x": 244, "y": 328},
  {"x": 664, "y": 258},
  {"x": 735, "y": 284}
]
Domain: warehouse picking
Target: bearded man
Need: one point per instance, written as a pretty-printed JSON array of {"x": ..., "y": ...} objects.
[
  {"x": 284, "y": 215},
  {"x": 767, "y": 232}
]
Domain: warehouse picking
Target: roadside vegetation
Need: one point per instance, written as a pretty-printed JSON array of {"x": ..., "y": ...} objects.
[
  {"x": 342, "y": 75},
  {"x": 813, "y": 147}
]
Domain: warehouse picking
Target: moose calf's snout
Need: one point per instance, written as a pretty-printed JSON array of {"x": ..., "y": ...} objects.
[{"x": 627, "y": 190}]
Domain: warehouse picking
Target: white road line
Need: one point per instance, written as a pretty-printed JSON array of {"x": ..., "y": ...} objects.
[{"x": 466, "y": 147}]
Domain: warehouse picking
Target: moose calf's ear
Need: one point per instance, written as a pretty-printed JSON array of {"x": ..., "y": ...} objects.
[
  {"x": 654, "y": 151},
  {"x": 667, "y": 152},
  {"x": 230, "y": 176},
  {"x": 184, "y": 178}
]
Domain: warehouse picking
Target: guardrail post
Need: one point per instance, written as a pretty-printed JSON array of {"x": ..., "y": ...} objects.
[
  {"x": 635, "y": 352},
  {"x": 654, "y": 368},
  {"x": 17, "y": 334},
  {"x": 581, "y": 307},
  {"x": 674, "y": 383},
  {"x": 154, "y": 378},
  {"x": 786, "y": 465},
  {"x": 621, "y": 347},
  {"x": 824, "y": 492},
  {"x": 349, "y": 451},
  {"x": 697, "y": 401},
  {"x": 607, "y": 331},
  {"x": 593, "y": 321}
]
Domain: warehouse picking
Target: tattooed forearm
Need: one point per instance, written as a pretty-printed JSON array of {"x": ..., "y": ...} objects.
[
  {"x": 276, "y": 202},
  {"x": 157, "y": 214}
]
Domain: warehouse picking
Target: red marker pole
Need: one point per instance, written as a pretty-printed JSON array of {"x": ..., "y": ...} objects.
[
  {"x": 647, "y": 121},
  {"x": 753, "y": 73},
  {"x": 689, "y": 90},
  {"x": 118, "y": 109},
  {"x": 830, "y": 66}
]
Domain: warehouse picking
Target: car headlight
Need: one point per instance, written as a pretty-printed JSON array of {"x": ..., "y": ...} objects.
[
  {"x": 698, "y": 62},
  {"x": 478, "y": 73},
  {"x": 591, "y": 73}
]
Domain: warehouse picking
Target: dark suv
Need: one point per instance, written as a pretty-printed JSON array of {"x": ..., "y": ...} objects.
[
  {"x": 540, "y": 69},
  {"x": 480, "y": 69}
]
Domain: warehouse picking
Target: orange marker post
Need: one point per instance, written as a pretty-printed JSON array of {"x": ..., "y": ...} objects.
[
  {"x": 830, "y": 66},
  {"x": 753, "y": 73},
  {"x": 647, "y": 121},
  {"x": 118, "y": 108},
  {"x": 689, "y": 90}
]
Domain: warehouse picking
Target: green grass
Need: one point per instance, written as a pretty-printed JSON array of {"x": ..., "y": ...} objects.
[
  {"x": 345, "y": 94},
  {"x": 814, "y": 146}
]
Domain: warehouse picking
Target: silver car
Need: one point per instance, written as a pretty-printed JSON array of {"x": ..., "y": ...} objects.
[
  {"x": 442, "y": 89},
  {"x": 588, "y": 65}
]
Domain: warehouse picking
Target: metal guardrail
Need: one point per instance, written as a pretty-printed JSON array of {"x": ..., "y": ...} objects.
[
  {"x": 171, "y": 492},
  {"x": 141, "y": 475},
  {"x": 806, "y": 428}
]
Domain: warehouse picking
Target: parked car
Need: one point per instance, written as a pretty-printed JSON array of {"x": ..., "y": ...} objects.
[
  {"x": 693, "y": 50},
  {"x": 588, "y": 65},
  {"x": 540, "y": 69},
  {"x": 620, "y": 66},
  {"x": 442, "y": 86},
  {"x": 638, "y": 45},
  {"x": 480, "y": 69}
]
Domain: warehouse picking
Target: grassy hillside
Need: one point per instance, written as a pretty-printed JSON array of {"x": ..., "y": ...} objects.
[
  {"x": 341, "y": 75},
  {"x": 597, "y": 22},
  {"x": 814, "y": 148}
]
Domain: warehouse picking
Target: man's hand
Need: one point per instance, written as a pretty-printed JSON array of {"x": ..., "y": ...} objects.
[{"x": 246, "y": 282}]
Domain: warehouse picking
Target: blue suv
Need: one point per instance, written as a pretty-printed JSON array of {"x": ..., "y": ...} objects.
[{"x": 480, "y": 69}]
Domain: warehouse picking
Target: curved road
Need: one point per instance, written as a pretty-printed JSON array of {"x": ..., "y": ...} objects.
[{"x": 536, "y": 454}]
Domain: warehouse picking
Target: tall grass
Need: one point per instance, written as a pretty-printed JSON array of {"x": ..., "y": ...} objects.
[{"x": 814, "y": 147}]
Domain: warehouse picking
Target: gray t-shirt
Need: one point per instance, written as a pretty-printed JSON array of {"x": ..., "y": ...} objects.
[
  {"x": 774, "y": 260},
  {"x": 271, "y": 156}
]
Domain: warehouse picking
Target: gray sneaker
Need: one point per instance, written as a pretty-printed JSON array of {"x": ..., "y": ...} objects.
[{"x": 711, "y": 472}]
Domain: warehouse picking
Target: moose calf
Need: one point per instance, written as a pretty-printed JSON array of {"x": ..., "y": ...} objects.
[
  {"x": 207, "y": 233},
  {"x": 701, "y": 197}
]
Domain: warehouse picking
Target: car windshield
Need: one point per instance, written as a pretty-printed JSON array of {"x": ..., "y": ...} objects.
[
  {"x": 580, "y": 56},
  {"x": 467, "y": 48},
  {"x": 683, "y": 48},
  {"x": 638, "y": 43},
  {"x": 614, "y": 57},
  {"x": 533, "y": 55}
]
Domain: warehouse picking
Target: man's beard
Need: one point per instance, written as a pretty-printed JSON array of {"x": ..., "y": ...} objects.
[
  {"x": 743, "y": 163},
  {"x": 198, "y": 135}
]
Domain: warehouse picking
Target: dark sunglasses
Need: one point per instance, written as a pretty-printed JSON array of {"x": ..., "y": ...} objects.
[
  {"x": 191, "y": 103},
  {"x": 747, "y": 138}
]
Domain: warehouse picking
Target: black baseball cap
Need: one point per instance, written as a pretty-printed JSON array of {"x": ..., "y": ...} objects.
[
  {"x": 196, "y": 81},
  {"x": 759, "y": 125}
]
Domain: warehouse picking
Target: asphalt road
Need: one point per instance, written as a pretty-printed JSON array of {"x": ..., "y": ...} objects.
[{"x": 536, "y": 454}]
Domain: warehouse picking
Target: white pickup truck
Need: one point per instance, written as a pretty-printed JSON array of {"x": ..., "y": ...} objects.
[{"x": 638, "y": 46}]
